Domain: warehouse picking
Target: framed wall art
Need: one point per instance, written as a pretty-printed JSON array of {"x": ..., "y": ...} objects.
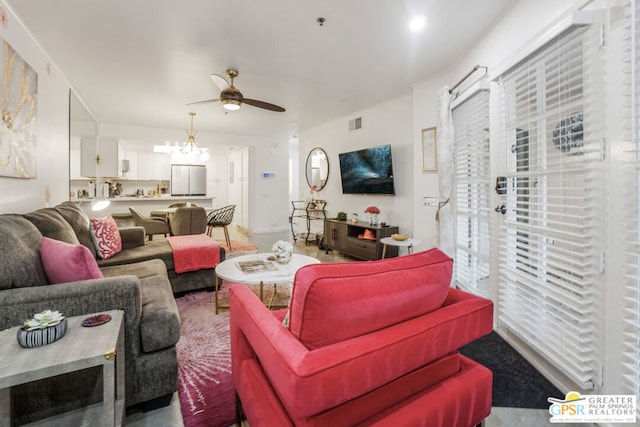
[
  {"x": 17, "y": 116},
  {"x": 429, "y": 150}
]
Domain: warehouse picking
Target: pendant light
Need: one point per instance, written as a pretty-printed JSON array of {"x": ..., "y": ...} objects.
[{"x": 191, "y": 147}]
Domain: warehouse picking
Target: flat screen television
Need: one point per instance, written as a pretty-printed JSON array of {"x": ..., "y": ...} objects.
[{"x": 367, "y": 171}]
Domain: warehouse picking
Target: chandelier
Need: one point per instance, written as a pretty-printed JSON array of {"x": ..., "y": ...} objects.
[{"x": 191, "y": 147}]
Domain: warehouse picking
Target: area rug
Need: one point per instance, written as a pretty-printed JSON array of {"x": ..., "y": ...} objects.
[
  {"x": 238, "y": 248},
  {"x": 204, "y": 357},
  {"x": 516, "y": 383},
  {"x": 204, "y": 363}
]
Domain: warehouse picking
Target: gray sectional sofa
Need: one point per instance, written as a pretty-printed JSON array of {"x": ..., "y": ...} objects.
[
  {"x": 135, "y": 249},
  {"x": 140, "y": 280}
]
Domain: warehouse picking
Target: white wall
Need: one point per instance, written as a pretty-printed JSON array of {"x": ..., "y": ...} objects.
[
  {"x": 218, "y": 178},
  {"x": 269, "y": 203},
  {"x": 52, "y": 129},
  {"x": 388, "y": 123},
  {"x": 425, "y": 113}
]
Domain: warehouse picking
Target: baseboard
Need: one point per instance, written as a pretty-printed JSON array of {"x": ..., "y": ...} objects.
[
  {"x": 150, "y": 405},
  {"x": 271, "y": 230},
  {"x": 244, "y": 230},
  {"x": 550, "y": 372}
]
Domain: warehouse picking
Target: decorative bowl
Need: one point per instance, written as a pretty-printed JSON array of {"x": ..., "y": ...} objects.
[
  {"x": 400, "y": 237},
  {"x": 41, "y": 337}
]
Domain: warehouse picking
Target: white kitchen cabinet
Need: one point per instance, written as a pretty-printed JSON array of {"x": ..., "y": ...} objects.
[
  {"x": 145, "y": 166},
  {"x": 132, "y": 158},
  {"x": 161, "y": 166},
  {"x": 119, "y": 160},
  {"x": 153, "y": 167},
  {"x": 110, "y": 165}
]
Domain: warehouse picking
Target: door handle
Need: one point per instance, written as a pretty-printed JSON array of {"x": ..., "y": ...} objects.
[
  {"x": 501, "y": 185},
  {"x": 501, "y": 209}
]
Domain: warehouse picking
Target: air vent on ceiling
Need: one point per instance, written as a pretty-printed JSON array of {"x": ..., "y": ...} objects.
[{"x": 355, "y": 124}]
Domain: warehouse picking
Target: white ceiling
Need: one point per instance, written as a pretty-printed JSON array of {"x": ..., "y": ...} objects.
[{"x": 140, "y": 62}]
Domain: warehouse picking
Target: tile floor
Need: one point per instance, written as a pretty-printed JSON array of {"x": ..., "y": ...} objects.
[{"x": 170, "y": 416}]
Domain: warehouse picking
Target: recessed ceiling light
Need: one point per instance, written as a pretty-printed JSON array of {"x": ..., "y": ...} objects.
[{"x": 417, "y": 23}]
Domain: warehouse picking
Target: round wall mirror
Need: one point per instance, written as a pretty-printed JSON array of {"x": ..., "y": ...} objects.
[{"x": 317, "y": 168}]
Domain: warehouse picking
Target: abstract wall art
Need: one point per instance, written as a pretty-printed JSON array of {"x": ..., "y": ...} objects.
[
  {"x": 18, "y": 112},
  {"x": 429, "y": 150}
]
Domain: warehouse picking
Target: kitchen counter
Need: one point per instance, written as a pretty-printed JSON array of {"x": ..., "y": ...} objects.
[
  {"x": 152, "y": 198},
  {"x": 142, "y": 204}
]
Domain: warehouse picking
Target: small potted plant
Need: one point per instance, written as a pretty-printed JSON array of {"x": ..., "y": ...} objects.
[
  {"x": 44, "y": 328},
  {"x": 373, "y": 213}
]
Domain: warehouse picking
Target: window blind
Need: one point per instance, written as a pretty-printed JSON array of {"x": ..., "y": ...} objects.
[
  {"x": 631, "y": 316},
  {"x": 551, "y": 122},
  {"x": 472, "y": 194}
]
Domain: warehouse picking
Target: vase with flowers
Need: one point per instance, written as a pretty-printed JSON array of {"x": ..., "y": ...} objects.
[
  {"x": 282, "y": 251},
  {"x": 373, "y": 213},
  {"x": 312, "y": 191}
]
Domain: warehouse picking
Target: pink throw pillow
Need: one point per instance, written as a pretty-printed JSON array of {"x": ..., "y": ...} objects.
[
  {"x": 64, "y": 262},
  {"x": 106, "y": 236}
]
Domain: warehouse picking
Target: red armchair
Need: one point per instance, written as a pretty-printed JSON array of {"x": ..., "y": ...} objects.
[{"x": 368, "y": 343}]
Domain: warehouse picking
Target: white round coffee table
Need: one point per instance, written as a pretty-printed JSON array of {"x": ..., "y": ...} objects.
[
  {"x": 257, "y": 272},
  {"x": 408, "y": 243}
]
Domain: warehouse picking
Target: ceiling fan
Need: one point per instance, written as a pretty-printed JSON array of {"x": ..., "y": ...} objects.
[{"x": 231, "y": 98}]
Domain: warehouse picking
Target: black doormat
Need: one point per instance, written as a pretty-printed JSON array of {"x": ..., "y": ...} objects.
[{"x": 516, "y": 383}]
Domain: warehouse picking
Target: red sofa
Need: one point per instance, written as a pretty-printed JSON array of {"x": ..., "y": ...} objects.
[{"x": 369, "y": 343}]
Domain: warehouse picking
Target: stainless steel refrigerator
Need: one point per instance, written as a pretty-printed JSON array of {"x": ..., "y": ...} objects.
[{"x": 188, "y": 180}]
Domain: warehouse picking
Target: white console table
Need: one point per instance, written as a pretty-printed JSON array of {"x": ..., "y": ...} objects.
[{"x": 80, "y": 348}]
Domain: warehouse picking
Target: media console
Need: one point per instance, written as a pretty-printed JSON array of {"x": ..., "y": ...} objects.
[{"x": 346, "y": 237}]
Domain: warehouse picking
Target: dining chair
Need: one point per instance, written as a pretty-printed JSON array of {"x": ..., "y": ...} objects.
[
  {"x": 188, "y": 220},
  {"x": 152, "y": 225},
  {"x": 221, "y": 217}
]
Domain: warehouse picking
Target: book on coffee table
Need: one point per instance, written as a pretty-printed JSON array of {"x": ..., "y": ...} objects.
[{"x": 256, "y": 266}]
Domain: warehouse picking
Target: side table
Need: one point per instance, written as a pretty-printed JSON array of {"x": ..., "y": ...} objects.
[
  {"x": 80, "y": 348},
  {"x": 408, "y": 243},
  {"x": 309, "y": 211}
]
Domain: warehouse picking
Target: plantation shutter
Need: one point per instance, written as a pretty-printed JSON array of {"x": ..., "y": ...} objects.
[
  {"x": 631, "y": 344},
  {"x": 472, "y": 193},
  {"x": 551, "y": 118}
]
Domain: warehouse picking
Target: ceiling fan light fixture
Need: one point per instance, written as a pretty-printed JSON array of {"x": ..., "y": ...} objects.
[
  {"x": 231, "y": 104},
  {"x": 232, "y": 99}
]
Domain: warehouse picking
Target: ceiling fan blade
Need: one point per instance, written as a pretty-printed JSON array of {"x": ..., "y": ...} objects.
[
  {"x": 206, "y": 101},
  {"x": 220, "y": 82},
  {"x": 265, "y": 105}
]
